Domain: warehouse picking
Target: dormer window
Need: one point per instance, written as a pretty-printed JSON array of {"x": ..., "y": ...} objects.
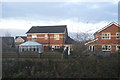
[
  {"x": 117, "y": 35},
  {"x": 105, "y": 35},
  {"x": 56, "y": 37},
  {"x": 34, "y": 37}
]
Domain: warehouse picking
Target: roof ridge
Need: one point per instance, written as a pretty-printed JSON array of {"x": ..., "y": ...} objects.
[
  {"x": 108, "y": 26},
  {"x": 52, "y": 26},
  {"x": 21, "y": 36},
  {"x": 114, "y": 23},
  {"x": 44, "y": 29},
  {"x": 91, "y": 41}
]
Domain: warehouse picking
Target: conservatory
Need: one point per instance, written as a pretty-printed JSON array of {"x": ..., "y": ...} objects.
[{"x": 31, "y": 46}]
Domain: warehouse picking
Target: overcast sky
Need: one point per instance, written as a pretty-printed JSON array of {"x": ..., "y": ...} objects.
[{"x": 78, "y": 16}]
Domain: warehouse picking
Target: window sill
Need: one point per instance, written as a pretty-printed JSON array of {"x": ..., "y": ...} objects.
[{"x": 106, "y": 50}]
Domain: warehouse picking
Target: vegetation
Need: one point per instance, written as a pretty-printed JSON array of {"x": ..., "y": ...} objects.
[{"x": 54, "y": 65}]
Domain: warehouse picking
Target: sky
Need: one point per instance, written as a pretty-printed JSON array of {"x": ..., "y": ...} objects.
[{"x": 17, "y": 17}]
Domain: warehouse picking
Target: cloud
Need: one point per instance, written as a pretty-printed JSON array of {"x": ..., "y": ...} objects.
[
  {"x": 86, "y": 16},
  {"x": 95, "y": 6},
  {"x": 114, "y": 1},
  {"x": 73, "y": 26},
  {"x": 13, "y": 32},
  {"x": 85, "y": 11}
]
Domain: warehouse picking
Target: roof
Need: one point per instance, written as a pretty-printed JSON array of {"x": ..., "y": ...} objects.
[
  {"x": 23, "y": 37},
  {"x": 107, "y": 27},
  {"x": 69, "y": 40},
  {"x": 30, "y": 43},
  {"x": 48, "y": 29},
  {"x": 91, "y": 41}
]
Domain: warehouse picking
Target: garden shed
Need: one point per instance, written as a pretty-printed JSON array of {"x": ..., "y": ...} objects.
[{"x": 31, "y": 46}]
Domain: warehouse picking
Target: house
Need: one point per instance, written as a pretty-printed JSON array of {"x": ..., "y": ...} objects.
[
  {"x": 19, "y": 40},
  {"x": 106, "y": 39},
  {"x": 51, "y": 37}
]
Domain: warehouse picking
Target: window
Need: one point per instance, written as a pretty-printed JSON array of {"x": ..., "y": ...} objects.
[
  {"x": 91, "y": 48},
  {"x": 55, "y": 47},
  {"x": 56, "y": 37},
  {"x": 117, "y": 35},
  {"x": 46, "y": 36},
  {"x": 105, "y": 35},
  {"x": 106, "y": 48},
  {"x": 118, "y": 47},
  {"x": 34, "y": 37}
]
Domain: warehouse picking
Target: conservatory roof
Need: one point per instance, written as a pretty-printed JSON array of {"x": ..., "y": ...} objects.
[{"x": 30, "y": 43}]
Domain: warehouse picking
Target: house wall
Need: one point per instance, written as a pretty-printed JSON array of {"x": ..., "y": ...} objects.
[
  {"x": 98, "y": 48},
  {"x": 113, "y": 29},
  {"x": 48, "y": 43},
  {"x": 19, "y": 41}
]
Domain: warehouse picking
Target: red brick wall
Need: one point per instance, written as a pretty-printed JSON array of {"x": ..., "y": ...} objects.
[
  {"x": 41, "y": 39},
  {"x": 49, "y": 42},
  {"x": 113, "y": 29}
]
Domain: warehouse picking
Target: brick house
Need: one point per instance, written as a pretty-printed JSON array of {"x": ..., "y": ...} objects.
[
  {"x": 52, "y": 37},
  {"x": 106, "y": 39}
]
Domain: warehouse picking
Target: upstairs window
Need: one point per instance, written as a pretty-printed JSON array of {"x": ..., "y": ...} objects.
[
  {"x": 105, "y": 35},
  {"x": 117, "y": 35},
  {"x": 34, "y": 37},
  {"x": 56, "y": 37},
  {"x": 106, "y": 48},
  {"x": 46, "y": 36}
]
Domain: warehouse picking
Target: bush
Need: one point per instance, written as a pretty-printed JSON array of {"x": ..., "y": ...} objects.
[
  {"x": 51, "y": 55},
  {"x": 50, "y": 65},
  {"x": 28, "y": 54},
  {"x": 78, "y": 49},
  {"x": 59, "y": 50},
  {"x": 20, "y": 75}
]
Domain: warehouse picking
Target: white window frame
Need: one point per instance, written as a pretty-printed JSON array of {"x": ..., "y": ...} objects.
[
  {"x": 34, "y": 37},
  {"x": 56, "y": 47},
  {"x": 118, "y": 35},
  {"x": 56, "y": 37},
  {"x": 106, "y": 49},
  {"x": 117, "y": 47},
  {"x": 106, "y": 37},
  {"x": 46, "y": 37},
  {"x": 91, "y": 47}
]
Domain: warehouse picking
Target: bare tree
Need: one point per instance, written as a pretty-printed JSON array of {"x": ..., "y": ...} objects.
[
  {"x": 82, "y": 37},
  {"x": 7, "y": 34}
]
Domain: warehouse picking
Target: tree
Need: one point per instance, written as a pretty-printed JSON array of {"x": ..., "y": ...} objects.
[
  {"x": 82, "y": 37},
  {"x": 7, "y": 34}
]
